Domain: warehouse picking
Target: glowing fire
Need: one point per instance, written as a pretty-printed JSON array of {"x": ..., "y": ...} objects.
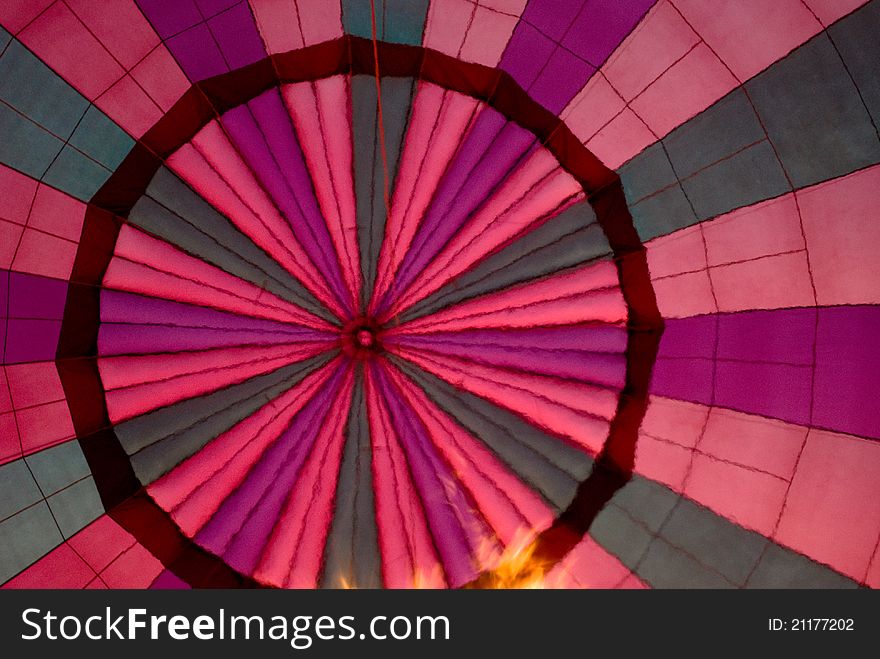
[{"x": 516, "y": 566}]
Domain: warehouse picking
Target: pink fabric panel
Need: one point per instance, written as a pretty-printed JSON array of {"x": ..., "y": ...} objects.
[
  {"x": 771, "y": 282},
  {"x": 95, "y": 46},
  {"x": 447, "y": 25},
  {"x": 585, "y": 294},
  {"x": 767, "y": 445},
  {"x": 139, "y": 384},
  {"x": 214, "y": 168},
  {"x": 509, "y": 505},
  {"x": 831, "y": 511},
  {"x": 328, "y": 154},
  {"x": 34, "y": 384},
  {"x": 576, "y": 412},
  {"x": 749, "y": 35},
  {"x": 658, "y": 41},
  {"x": 534, "y": 191},
  {"x": 275, "y": 20},
  {"x": 194, "y": 489},
  {"x": 60, "y": 39},
  {"x": 194, "y": 281},
  {"x": 16, "y": 14},
  {"x": 620, "y": 139},
  {"x": 588, "y": 565},
  {"x": 101, "y": 543},
  {"x": 293, "y": 552},
  {"x": 438, "y": 121},
  {"x": 321, "y": 20},
  {"x": 829, "y": 11},
  {"x": 677, "y": 253},
  {"x": 687, "y": 88},
  {"x": 592, "y": 108},
  {"x": 408, "y": 554},
  {"x": 843, "y": 237},
  {"x": 771, "y": 227},
  {"x": 60, "y": 568},
  {"x": 488, "y": 35},
  {"x": 748, "y": 497},
  {"x": 136, "y": 568}
]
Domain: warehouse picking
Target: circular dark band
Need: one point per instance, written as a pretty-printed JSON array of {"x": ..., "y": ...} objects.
[{"x": 122, "y": 495}]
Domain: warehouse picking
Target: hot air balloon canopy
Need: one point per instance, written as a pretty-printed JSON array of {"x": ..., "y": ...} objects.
[{"x": 447, "y": 293}]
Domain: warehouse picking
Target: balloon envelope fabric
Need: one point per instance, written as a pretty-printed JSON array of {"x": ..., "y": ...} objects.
[{"x": 493, "y": 293}]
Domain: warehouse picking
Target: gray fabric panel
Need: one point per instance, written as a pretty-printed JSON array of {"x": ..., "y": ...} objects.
[
  {"x": 647, "y": 173},
  {"x": 77, "y": 506},
  {"x": 664, "y": 566},
  {"x": 33, "y": 89},
  {"x": 17, "y": 489},
  {"x": 856, "y": 38},
  {"x": 369, "y": 175},
  {"x": 26, "y": 147},
  {"x": 781, "y": 568},
  {"x": 551, "y": 467},
  {"x": 59, "y": 466},
  {"x": 160, "y": 440},
  {"x": 572, "y": 238},
  {"x": 75, "y": 174},
  {"x": 352, "y": 550},
  {"x": 748, "y": 177},
  {"x": 726, "y": 127},
  {"x": 813, "y": 114},
  {"x": 672, "y": 542},
  {"x": 718, "y": 544},
  {"x": 25, "y": 538},
  {"x": 100, "y": 138},
  {"x": 172, "y": 211},
  {"x": 5, "y": 38},
  {"x": 662, "y": 213}
]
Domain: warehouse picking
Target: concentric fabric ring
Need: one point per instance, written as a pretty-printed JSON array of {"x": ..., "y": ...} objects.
[{"x": 95, "y": 386}]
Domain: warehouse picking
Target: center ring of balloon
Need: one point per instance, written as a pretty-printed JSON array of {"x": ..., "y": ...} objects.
[{"x": 122, "y": 494}]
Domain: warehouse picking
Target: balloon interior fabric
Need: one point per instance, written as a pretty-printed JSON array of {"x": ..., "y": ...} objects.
[{"x": 459, "y": 293}]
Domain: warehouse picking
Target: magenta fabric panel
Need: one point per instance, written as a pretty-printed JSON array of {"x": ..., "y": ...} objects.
[{"x": 206, "y": 38}]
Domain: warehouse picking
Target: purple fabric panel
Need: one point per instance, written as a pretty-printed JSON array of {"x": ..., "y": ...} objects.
[
  {"x": 848, "y": 370},
  {"x": 601, "y": 27},
  {"x": 121, "y": 307},
  {"x": 167, "y": 580},
  {"x": 444, "y": 506},
  {"x": 563, "y": 359},
  {"x": 268, "y": 145},
  {"x": 31, "y": 340},
  {"x": 689, "y": 337},
  {"x": 4, "y": 290},
  {"x": 228, "y": 39},
  {"x": 197, "y": 53},
  {"x": 684, "y": 362},
  {"x": 213, "y": 7},
  {"x": 552, "y": 17},
  {"x": 243, "y": 523},
  {"x": 778, "y": 391},
  {"x": 526, "y": 54},
  {"x": 564, "y": 76},
  {"x": 169, "y": 17},
  {"x": 783, "y": 336},
  {"x": 145, "y": 339},
  {"x": 33, "y": 296},
  {"x": 237, "y": 35},
  {"x": 683, "y": 379},
  {"x": 585, "y": 338},
  {"x": 554, "y": 74},
  {"x": 488, "y": 152}
]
